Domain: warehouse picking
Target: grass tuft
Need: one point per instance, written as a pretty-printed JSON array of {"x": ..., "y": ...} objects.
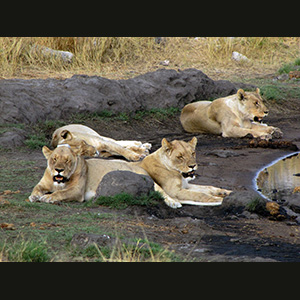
[
  {"x": 26, "y": 251},
  {"x": 123, "y": 200}
]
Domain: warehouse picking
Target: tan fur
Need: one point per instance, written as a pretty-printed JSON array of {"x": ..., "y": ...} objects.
[
  {"x": 233, "y": 116},
  {"x": 65, "y": 164},
  {"x": 83, "y": 176},
  {"x": 74, "y": 133},
  {"x": 166, "y": 166},
  {"x": 81, "y": 147}
]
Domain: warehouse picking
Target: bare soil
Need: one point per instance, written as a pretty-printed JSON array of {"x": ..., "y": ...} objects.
[{"x": 194, "y": 233}]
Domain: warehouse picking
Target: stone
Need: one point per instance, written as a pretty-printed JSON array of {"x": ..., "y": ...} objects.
[
  {"x": 12, "y": 138},
  {"x": 86, "y": 239},
  {"x": 117, "y": 182},
  {"x": 223, "y": 153},
  {"x": 65, "y": 56},
  {"x": 238, "y": 56},
  {"x": 34, "y": 100},
  {"x": 294, "y": 74}
]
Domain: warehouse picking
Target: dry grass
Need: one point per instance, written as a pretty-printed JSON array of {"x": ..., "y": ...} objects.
[{"x": 124, "y": 57}]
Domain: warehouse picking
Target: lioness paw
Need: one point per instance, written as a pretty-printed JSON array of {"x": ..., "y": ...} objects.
[
  {"x": 277, "y": 133},
  {"x": 224, "y": 193},
  {"x": 147, "y": 146},
  {"x": 172, "y": 203},
  {"x": 47, "y": 199},
  {"x": 136, "y": 157},
  {"x": 34, "y": 198},
  {"x": 266, "y": 137}
]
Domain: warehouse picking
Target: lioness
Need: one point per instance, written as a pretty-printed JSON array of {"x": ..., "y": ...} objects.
[
  {"x": 74, "y": 133},
  {"x": 172, "y": 167},
  {"x": 69, "y": 176},
  {"x": 233, "y": 116}
]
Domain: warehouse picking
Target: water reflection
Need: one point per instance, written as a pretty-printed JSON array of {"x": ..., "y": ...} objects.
[{"x": 280, "y": 179}]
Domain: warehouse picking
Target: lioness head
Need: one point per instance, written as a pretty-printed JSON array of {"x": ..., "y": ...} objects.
[
  {"x": 181, "y": 156},
  {"x": 252, "y": 105},
  {"x": 62, "y": 163},
  {"x": 79, "y": 146}
]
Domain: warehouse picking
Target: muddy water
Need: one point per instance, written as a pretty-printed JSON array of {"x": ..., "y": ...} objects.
[{"x": 279, "y": 179}]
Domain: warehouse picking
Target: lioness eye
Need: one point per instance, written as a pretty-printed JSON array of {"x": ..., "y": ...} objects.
[{"x": 180, "y": 157}]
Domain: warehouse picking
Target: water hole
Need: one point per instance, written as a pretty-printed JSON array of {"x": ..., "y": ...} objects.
[{"x": 280, "y": 180}]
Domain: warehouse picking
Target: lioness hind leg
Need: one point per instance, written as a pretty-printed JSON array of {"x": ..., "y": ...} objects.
[
  {"x": 136, "y": 146},
  {"x": 113, "y": 148}
]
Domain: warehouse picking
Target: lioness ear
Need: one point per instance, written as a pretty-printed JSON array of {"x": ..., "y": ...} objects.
[
  {"x": 66, "y": 134},
  {"x": 166, "y": 145},
  {"x": 241, "y": 94},
  {"x": 46, "y": 151},
  {"x": 193, "y": 142},
  {"x": 258, "y": 91},
  {"x": 82, "y": 149}
]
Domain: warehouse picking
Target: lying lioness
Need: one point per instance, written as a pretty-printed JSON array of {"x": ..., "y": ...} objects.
[
  {"x": 233, "y": 116},
  {"x": 172, "y": 167},
  {"x": 69, "y": 176},
  {"x": 74, "y": 133}
]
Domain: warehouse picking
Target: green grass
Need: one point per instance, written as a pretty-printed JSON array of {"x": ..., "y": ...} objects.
[
  {"x": 279, "y": 91},
  {"x": 124, "y": 200},
  {"x": 43, "y": 232},
  {"x": 272, "y": 92},
  {"x": 133, "y": 250},
  {"x": 257, "y": 206},
  {"x": 286, "y": 68},
  {"x": 25, "y": 251},
  {"x": 158, "y": 113},
  {"x": 35, "y": 141}
]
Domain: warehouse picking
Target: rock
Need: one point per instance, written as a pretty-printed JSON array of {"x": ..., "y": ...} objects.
[
  {"x": 223, "y": 153},
  {"x": 117, "y": 182},
  {"x": 239, "y": 201},
  {"x": 238, "y": 56},
  {"x": 293, "y": 202},
  {"x": 30, "y": 101},
  {"x": 65, "y": 56},
  {"x": 294, "y": 74},
  {"x": 272, "y": 208},
  {"x": 12, "y": 138},
  {"x": 281, "y": 77},
  {"x": 165, "y": 62},
  {"x": 245, "y": 86},
  {"x": 86, "y": 239}
]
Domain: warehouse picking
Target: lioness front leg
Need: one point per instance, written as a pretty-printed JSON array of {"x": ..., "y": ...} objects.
[
  {"x": 238, "y": 132},
  {"x": 168, "y": 200},
  {"x": 37, "y": 193},
  {"x": 62, "y": 195},
  {"x": 266, "y": 132},
  {"x": 211, "y": 190},
  {"x": 186, "y": 196}
]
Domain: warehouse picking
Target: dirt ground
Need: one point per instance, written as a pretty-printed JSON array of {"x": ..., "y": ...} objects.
[
  {"x": 202, "y": 233},
  {"x": 194, "y": 233}
]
